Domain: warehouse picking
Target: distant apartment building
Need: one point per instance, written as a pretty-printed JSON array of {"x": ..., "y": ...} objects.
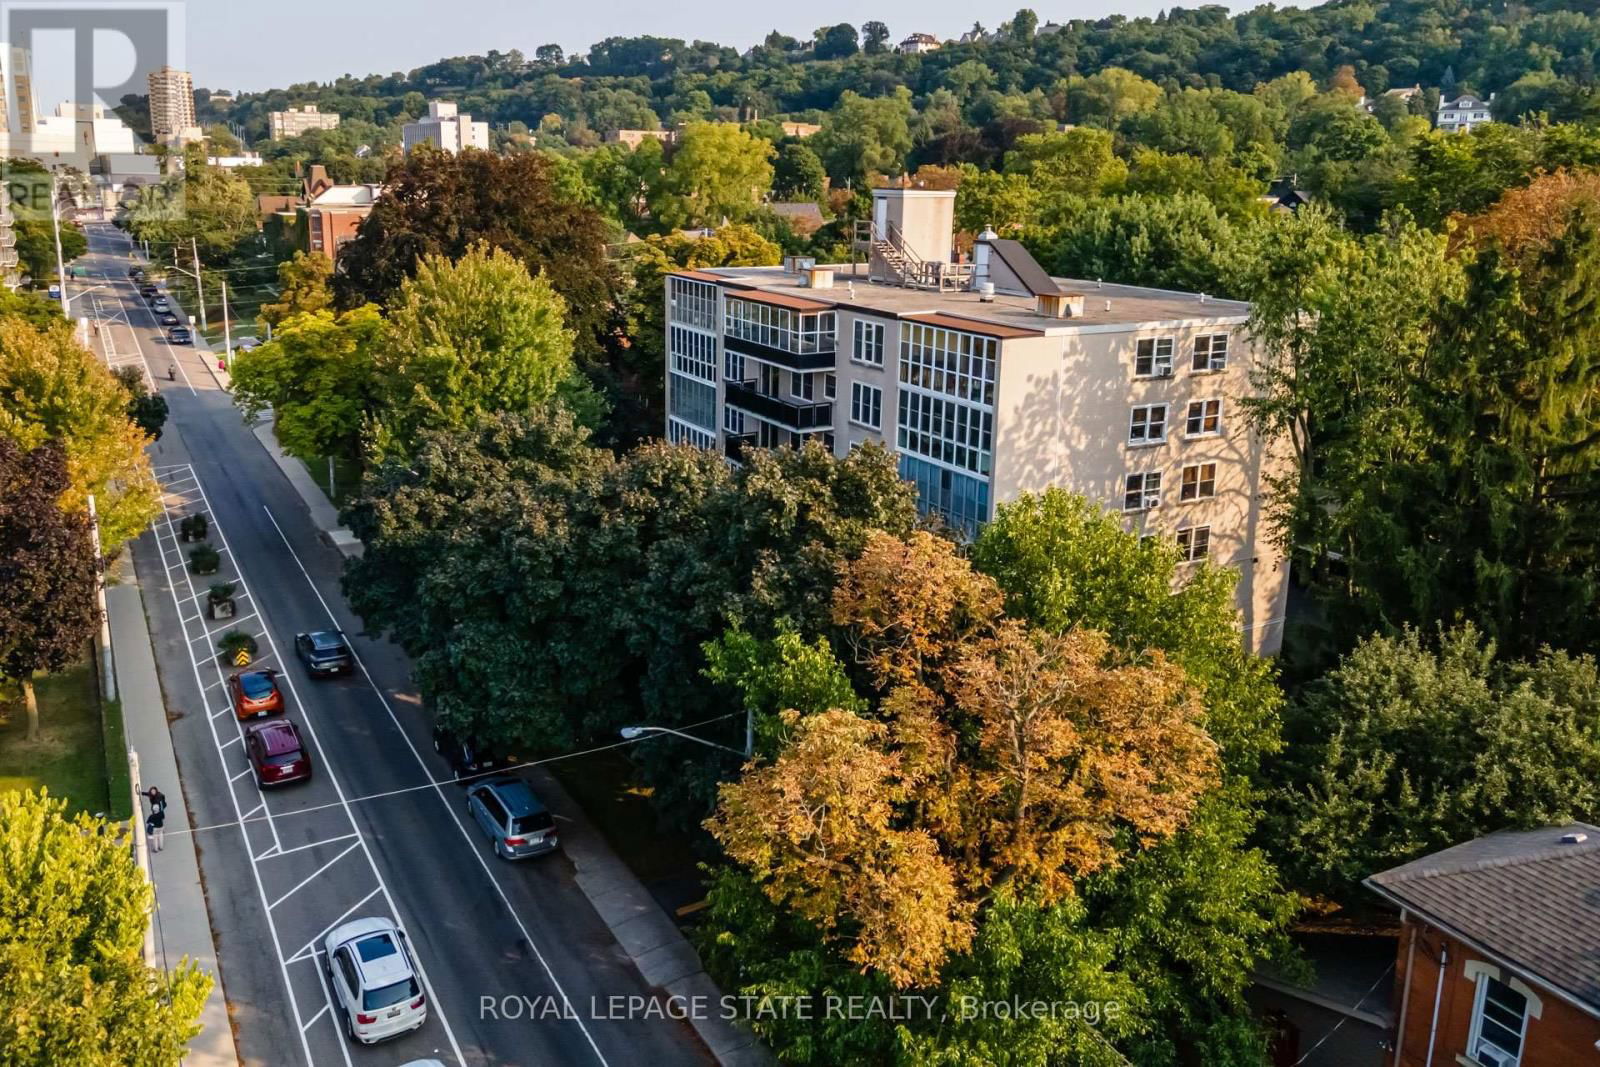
[
  {"x": 446, "y": 129},
  {"x": 635, "y": 138},
  {"x": 298, "y": 120},
  {"x": 989, "y": 379},
  {"x": 918, "y": 43},
  {"x": 1464, "y": 113},
  {"x": 10, "y": 275},
  {"x": 17, "y": 110},
  {"x": 171, "y": 104}
]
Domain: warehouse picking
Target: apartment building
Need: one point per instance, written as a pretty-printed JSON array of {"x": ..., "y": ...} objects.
[
  {"x": 447, "y": 129},
  {"x": 17, "y": 108},
  {"x": 989, "y": 379},
  {"x": 298, "y": 120},
  {"x": 171, "y": 104}
]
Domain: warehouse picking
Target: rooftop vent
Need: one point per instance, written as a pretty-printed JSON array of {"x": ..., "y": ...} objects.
[
  {"x": 1059, "y": 305},
  {"x": 1576, "y": 837},
  {"x": 815, "y": 277},
  {"x": 798, "y": 264}
]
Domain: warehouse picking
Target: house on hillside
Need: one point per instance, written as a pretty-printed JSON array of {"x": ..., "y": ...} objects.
[
  {"x": 1464, "y": 113},
  {"x": 1498, "y": 963},
  {"x": 917, "y": 44}
]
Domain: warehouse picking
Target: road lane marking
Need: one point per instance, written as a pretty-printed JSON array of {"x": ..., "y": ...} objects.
[
  {"x": 472, "y": 843},
  {"x": 275, "y": 853},
  {"x": 308, "y": 879},
  {"x": 333, "y": 778}
]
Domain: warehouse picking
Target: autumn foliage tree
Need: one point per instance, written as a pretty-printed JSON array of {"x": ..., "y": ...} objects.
[{"x": 997, "y": 758}]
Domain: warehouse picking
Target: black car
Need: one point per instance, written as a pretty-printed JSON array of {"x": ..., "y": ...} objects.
[
  {"x": 324, "y": 652},
  {"x": 467, "y": 756},
  {"x": 149, "y": 292},
  {"x": 167, "y": 318},
  {"x": 136, "y": 273},
  {"x": 179, "y": 335}
]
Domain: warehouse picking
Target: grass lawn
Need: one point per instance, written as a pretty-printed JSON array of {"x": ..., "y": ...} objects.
[
  {"x": 606, "y": 786},
  {"x": 69, "y": 757}
]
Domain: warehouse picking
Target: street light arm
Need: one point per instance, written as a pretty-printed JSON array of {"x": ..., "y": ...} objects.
[{"x": 634, "y": 733}]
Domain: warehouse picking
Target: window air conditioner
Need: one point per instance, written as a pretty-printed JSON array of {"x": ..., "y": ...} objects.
[
  {"x": 1490, "y": 1056},
  {"x": 1152, "y": 500},
  {"x": 1164, "y": 372}
]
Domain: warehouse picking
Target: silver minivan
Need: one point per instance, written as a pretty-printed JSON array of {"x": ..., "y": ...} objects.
[{"x": 514, "y": 819}]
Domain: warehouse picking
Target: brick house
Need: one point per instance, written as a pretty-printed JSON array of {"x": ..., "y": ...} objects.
[{"x": 1498, "y": 962}]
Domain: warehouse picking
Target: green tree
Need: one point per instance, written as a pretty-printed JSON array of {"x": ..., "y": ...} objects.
[
  {"x": 319, "y": 375},
  {"x": 53, "y": 389},
  {"x": 798, "y": 174},
  {"x": 718, "y": 173},
  {"x": 303, "y": 286},
  {"x": 874, "y": 38},
  {"x": 1419, "y": 741},
  {"x": 48, "y": 572},
  {"x": 836, "y": 42},
  {"x": 1173, "y": 242},
  {"x": 74, "y": 987},
  {"x": 36, "y": 247},
  {"x": 1110, "y": 96},
  {"x": 467, "y": 340},
  {"x": 146, "y": 410},
  {"x": 863, "y": 136}
]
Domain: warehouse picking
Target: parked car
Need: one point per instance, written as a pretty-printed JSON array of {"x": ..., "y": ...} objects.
[
  {"x": 514, "y": 819},
  {"x": 374, "y": 981},
  {"x": 159, "y": 304},
  {"x": 324, "y": 652},
  {"x": 255, "y": 693},
  {"x": 167, "y": 318},
  {"x": 466, "y": 755},
  {"x": 277, "y": 753},
  {"x": 179, "y": 335}
]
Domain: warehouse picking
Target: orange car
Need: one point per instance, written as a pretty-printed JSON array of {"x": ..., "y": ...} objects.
[{"x": 255, "y": 693}]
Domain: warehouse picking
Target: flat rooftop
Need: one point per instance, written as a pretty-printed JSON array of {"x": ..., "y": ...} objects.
[{"x": 1129, "y": 305}]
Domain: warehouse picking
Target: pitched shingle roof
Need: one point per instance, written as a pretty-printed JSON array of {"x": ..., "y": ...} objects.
[{"x": 1524, "y": 896}]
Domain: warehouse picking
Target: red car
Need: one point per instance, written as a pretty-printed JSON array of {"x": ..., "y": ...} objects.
[
  {"x": 276, "y": 753},
  {"x": 255, "y": 693}
]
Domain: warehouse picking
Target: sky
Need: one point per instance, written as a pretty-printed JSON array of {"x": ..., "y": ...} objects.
[{"x": 230, "y": 44}]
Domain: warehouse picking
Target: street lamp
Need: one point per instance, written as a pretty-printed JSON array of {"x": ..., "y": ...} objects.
[{"x": 634, "y": 733}]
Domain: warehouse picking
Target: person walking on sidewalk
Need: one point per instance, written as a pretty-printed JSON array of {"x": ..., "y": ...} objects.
[{"x": 156, "y": 823}]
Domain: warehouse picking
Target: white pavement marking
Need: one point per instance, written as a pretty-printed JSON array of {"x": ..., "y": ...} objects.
[
  {"x": 333, "y": 779},
  {"x": 275, "y": 853},
  {"x": 320, "y": 1013},
  {"x": 472, "y": 842},
  {"x": 327, "y": 1005},
  {"x": 324, "y": 931},
  {"x": 308, "y": 879}
]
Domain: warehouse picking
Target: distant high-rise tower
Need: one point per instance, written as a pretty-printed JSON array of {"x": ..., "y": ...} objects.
[
  {"x": 17, "y": 113},
  {"x": 171, "y": 103}
]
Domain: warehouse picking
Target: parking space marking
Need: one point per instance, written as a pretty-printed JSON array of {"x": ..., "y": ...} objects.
[
  {"x": 327, "y": 999},
  {"x": 198, "y": 503},
  {"x": 438, "y": 789},
  {"x": 308, "y": 879},
  {"x": 275, "y": 853},
  {"x": 320, "y": 1013},
  {"x": 326, "y": 929}
]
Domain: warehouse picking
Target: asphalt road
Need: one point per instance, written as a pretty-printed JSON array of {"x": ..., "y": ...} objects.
[{"x": 380, "y": 830}]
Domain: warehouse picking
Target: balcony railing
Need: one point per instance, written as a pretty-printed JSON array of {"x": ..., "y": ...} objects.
[
  {"x": 734, "y": 444},
  {"x": 798, "y": 357},
  {"x": 798, "y": 415}
]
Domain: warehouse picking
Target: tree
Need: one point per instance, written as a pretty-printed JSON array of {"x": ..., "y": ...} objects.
[
  {"x": 1175, "y": 242},
  {"x": 549, "y": 55},
  {"x": 439, "y": 204},
  {"x": 1110, "y": 96},
  {"x": 51, "y": 389},
  {"x": 874, "y": 38},
  {"x": 1023, "y": 23},
  {"x": 303, "y": 286},
  {"x": 467, "y": 340},
  {"x": 862, "y": 136},
  {"x": 1422, "y": 740},
  {"x": 36, "y": 247},
  {"x": 836, "y": 42},
  {"x": 718, "y": 173},
  {"x": 798, "y": 174},
  {"x": 319, "y": 375},
  {"x": 48, "y": 572},
  {"x": 74, "y": 987},
  {"x": 146, "y": 410}
]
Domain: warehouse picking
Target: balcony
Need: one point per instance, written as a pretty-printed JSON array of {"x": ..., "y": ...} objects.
[
  {"x": 798, "y": 355},
  {"x": 797, "y": 415},
  {"x": 734, "y": 444}
]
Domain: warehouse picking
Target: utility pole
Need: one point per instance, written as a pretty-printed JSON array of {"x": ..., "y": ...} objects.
[
  {"x": 227, "y": 336},
  {"x": 61, "y": 266},
  {"x": 108, "y": 675},
  {"x": 199, "y": 286}
]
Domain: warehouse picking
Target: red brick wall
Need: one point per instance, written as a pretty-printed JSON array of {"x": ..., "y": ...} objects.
[{"x": 1562, "y": 1037}]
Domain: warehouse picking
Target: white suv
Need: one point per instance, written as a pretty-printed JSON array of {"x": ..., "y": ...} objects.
[{"x": 374, "y": 980}]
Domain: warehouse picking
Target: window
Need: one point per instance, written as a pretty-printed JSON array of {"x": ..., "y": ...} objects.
[
  {"x": 692, "y": 401},
  {"x": 1199, "y": 482},
  {"x": 681, "y": 433},
  {"x": 1205, "y": 417},
  {"x": 1148, "y": 425},
  {"x": 777, "y": 327},
  {"x": 1210, "y": 352},
  {"x": 733, "y": 366},
  {"x": 804, "y": 385},
  {"x": 1153, "y": 358},
  {"x": 869, "y": 344},
  {"x": 1195, "y": 543},
  {"x": 769, "y": 381},
  {"x": 961, "y": 499},
  {"x": 693, "y": 353},
  {"x": 692, "y": 303},
  {"x": 866, "y": 405},
  {"x": 948, "y": 432},
  {"x": 1499, "y": 1024},
  {"x": 830, "y": 386},
  {"x": 733, "y": 421},
  {"x": 946, "y": 403},
  {"x": 1142, "y": 492}
]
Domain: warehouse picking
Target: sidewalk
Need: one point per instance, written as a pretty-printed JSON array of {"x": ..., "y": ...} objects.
[
  {"x": 651, "y": 939},
  {"x": 183, "y": 926}
]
